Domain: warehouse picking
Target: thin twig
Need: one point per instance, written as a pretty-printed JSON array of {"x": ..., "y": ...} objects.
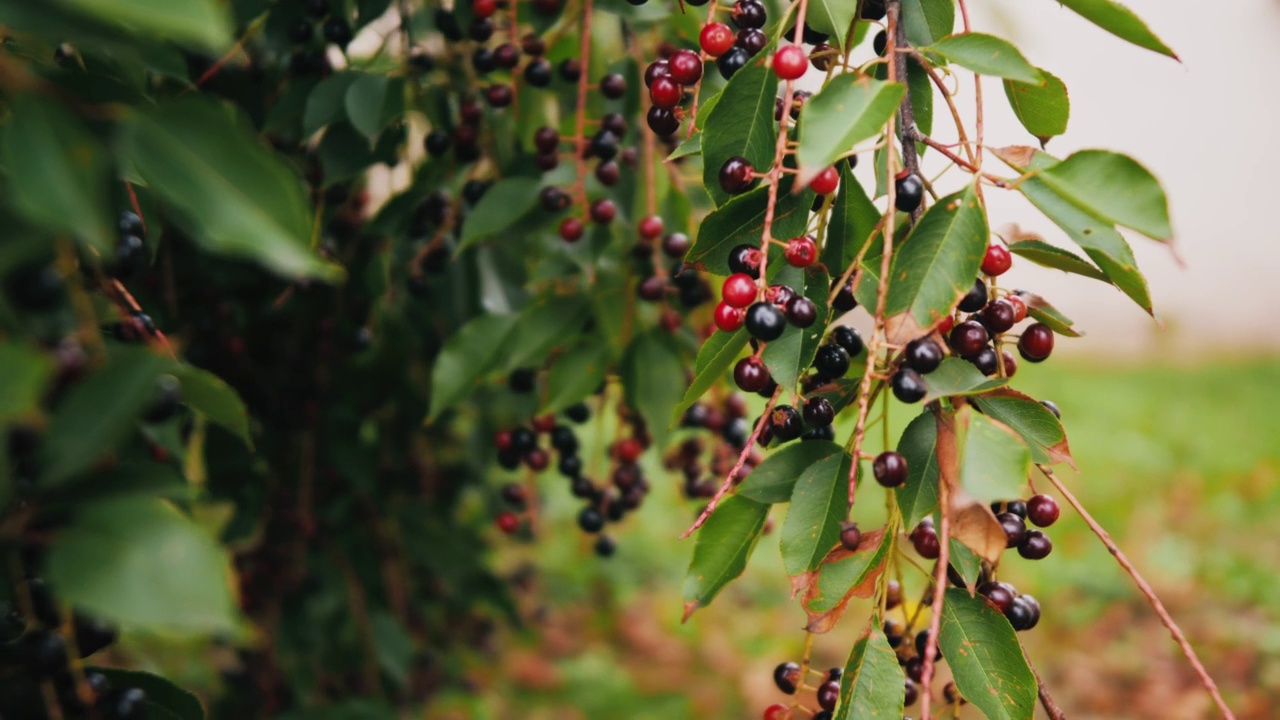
[
  {"x": 1050, "y": 707},
  {"x": 697, "y": 87},
  {"x": 946, "y": 476},
  {"x": 580, "y": 121},
  {"x": 1147, "y": 592}
]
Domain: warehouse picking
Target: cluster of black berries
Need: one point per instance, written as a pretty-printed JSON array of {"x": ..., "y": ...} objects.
[
  {"x": 788, "y": 677},
  {"x": 729, "y": 431},
  {"x": 309, "y": 55},
  {"x": 35, "y": 648},
  {"x": 667, "y": 78}
]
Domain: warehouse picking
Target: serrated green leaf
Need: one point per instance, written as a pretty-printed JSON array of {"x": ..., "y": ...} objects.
[
  {"x": 1040, "y": 428},
  {"x": 741, "y": 220},
  {"x": 648, "y": 366},
  {"x": 789, "y": 355},
  {"x": 918, "y": 496},
  {"x": 921, "y": 90},
  {"x": 1043, "y": 108},
  {"x": 721, "y": 549},
  {"x": 692, "y": 146},
  {"x": 985, "y": 658},
  {"x": 741, "y": 123},
  {"x": 26, "y": 372},
  {"x": 853, "y": 217},
  {"x": 467, "y": 357},
  {"x": 500, "y": 208},
  {"x": 162, "y": 695},
  {"x": 872, "y": 684},
  {"x": 1119, "y": 21},
  {"x": 819, "y": 503},
  {"x": 207, "y": 394},
  {"x": 372, "y": 101},
  {"x": 1114, "y": 188},
  {"x": 928, "y": 20},
  {"x": 995, "y": 460},
  {"x": 957, "y": 377},
  {"x": 986, "y": 55},
  {"x": 848, "y": 110},
  {"x": 774, "y": 480},
  {"x": 965, "y": 561},
  {"x": 575, "y": 375},
  {"x": 717, "y": 353},
  {"x": 1052, "y": 256},
  {"x": 206, "y": 23}
]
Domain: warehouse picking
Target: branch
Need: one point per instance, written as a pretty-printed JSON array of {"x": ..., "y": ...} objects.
[
  {"x": 906, "y": 113},
  {"x": 1147, "y": 592},
  {"x": 580, "y": 121},
  {"x": 1050, "y": 707},
  {"x": 947, "y": 461}
]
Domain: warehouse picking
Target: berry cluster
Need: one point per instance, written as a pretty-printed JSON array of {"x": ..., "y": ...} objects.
[
  {"x": 309, "y": 56},
  {"x": 789, "y": 678},
  {"x": 666, "y": 79},
  {"x": 732, "y": 50},
  {"x": 729, "y": 431}
]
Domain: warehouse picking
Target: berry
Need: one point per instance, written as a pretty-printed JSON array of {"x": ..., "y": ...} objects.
[
  {"x": 890, "y": 469},
  {"x": 571, "y": 230},
  {"x": 968, "y": 339},
  {"x": 1010, "y": 365},
  {"x": 590, "y": 520},
  {"x": 605, "y": 546},
  {"x": 780, "y": 295},
  {"x": 675, "y": 245},
  {"x": 483, "y": 61},
  {"x": 1042, "y": 510},
  {"x": 437, "y": 143},
  {"x": 522, "y": 380},
  {"x": 1025, "y": 613},
  {"x": 662, "y": 121},
  {"x": 908, "y": 386},
  {"x": 909, "y": 193},
  {"x": 613, "y": 86},
  {"x": 732, "y": 61},
  {"x": 570, "y": 70},
  {"x": 748, "y": 14},
  {"x": 1019, "y": 307},
  {"x": 739, "y": 290},
  {"x": 35, "y": 288},
  {"x": 736, "y": 175},
  {"x": 873, "y": 10},
  {"x": 603, "y": 211},
  {"x": 484, "y": 8},
  {"x": 128, "y": 704},
  {"x": 506, "y": 56},
  {"x": 553, "y": 199},
  {"x": 538, "y": 72},
  {"x": 911, "y": 692},
  {"x": 614, "y": 123},
  {"x": 832, "y": 361},
  {"x": 785, "y": 423},
  {"x": 570, "y": 466},
  {"x": 1036, "y": 342},
  {"x": 845, "y": 299},
  {"x": 801, "y": 311},
  {"x": 789, "y": 62},
  {"x": 999, "y": 596},
  {"x": 650, "y": 227},
  {"x": 628, "y": 450},
  {"x": 655, "y": 70},
  {"x": 829, "y": 695},
  {"x": 986, "y": 361},
  {"x": 826, "y": 181},
  {"x": 818, "y": 413},
  {"x": 801, "y": 252},
  {"x": 729, "y": 318},
  {"x": 752, "y": 40},
  {"x": 787, "y": 677},
  {"x": 765, "y": 321},
  {"x": 1017, "y": 507},
  {"x": 997, "y": 261},
  {"x": 716, "y": 39},
  {"x": 1014, "y": 528},
  {"x": 823, "y": 56},
  {"x": 131, "y": 256},
  {"x": 499, "y": 96},
  {"x": 316, "y": 8},
  {"x": 685, "y": 67},
  {"x": 1035, "y": 545},
  {"x": 537, "y": 460},
  {"x": 850, "y": 536},
  {"x": 92, "y": 635},
  {"x": 745, "y": 259},
  {"x": 1052, "y": 407},
  {"x": 665, "y": 92},
  {"x": 166, "y": 400},
  {"x": 998, "y": 316},
  {"x": 880, "y": 43},
  {"x": 925, "y": 540},
  {"x": 975, "y": 298},
  {"x": 847, "y": 338},
  {"x": 777, "y": 711},
  {"x": 604, "y": 145},
  {"x": 751, "y": 375},
  {"x": 922, "y": 355}
]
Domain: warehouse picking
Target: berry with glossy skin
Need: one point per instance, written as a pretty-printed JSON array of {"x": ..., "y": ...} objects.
[
  {"x": 779, "y": 295},
  {"x": 1036, "y": 342},
  {"x": 675, "y": 245},
  {"x": 499, "y": 96},
  {"x": 818, "y": 412},
  {"x": 1019, "y": 307},
  {"x": 975, "y": 298},
  {"x": 1035, "y": 545},
  {"x": 716, "y": 39},
  {"x": 801, "y": 311},
  {"x": 911, "y": 692},
  {"x": 922, "y": 355},
  {"x": 603, "y": 211},
  {"x": 571, "y": 230},
  {"x": 661, "y": 121},
  {"x": 777, "y": 711},
  {"x": 880, "y": 43},
  {"x": 785, "y": 423},
  {"x": 739, "y": 290},
  {"x": 748, "y": 14},
  {"x": 801, "y": 252},
  {"x": 832, "y": 361},
  {"x": 570, "y": 70},
  {"x": 753, "y": 40},
  {"x": 790, "y": 62},
  {"x": 590, "y": 520},
  {"x": 825, "y": 182},
  {"x": 968, "y": 339},
  {"x": 665, "y": 92},
  {"x": 650, "y": 227},
  {"x": 1025, "y": 613},
  {"x": 1042, "y": 510},
  {"x": 997, "y": 261},
  {"x": 909, "y": 192},
  {"x": 484, "y": 8},
  {"x": 736, "y": 175},
  {"x": 437, "y": 143},
  {"x": 506, "y": 56},
  {"x": 829, "y": 695},
  {"x": 890, "y": 469},
  {"x": 849, "y": 339},
  {"x": 508, "y": 522},
  {"x": 538, "y": 72},
  {"x": 850, "y": 536},
  {"x": 998, "y": 316},
  {"x": 93, "y": 634},
  {"x": 1010, "y": 364},
  {"x": 787, "y": 677},
  {"x": 745, "y": 259},
  {"x": 656, "y": 69},
  {"x": 908, "y": 386},
  {"x": 732, "y": 61},
  {"x": 925, "y": 540},
  {"x": 685, "y": 67},
  {"x": 613, "y": 86},
  {"x": 765, "y": 321},
  {"x": 986, "y": 361},
  {"x": 845, "y": 299},
  {"x": 998, "y": 595},
  {"x": 651, "y": 289},
  {"x": 751, "y": 375},
  {"x": 1015, "y": 529},
  {"x": 729, "y": 318},
  {"x": 1017, "y": 507},
  {"x": 873, "y": 10},
  {"x": 823, "y": 56}
]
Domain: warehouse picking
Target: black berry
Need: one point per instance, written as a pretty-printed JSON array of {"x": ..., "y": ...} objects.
[
  {"x": 975, "y": 298},
  {"x": 909, "y": 193},
  {"x": 765, "y": 322},
  {"x": 890, "y": 469},
  {"x": 818, "y": 412},
  {"x": 908, "y": 386}
]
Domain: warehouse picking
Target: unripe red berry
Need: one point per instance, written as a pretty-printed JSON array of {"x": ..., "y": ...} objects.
[
  {"x": 716, "y": 39},
  {"x": 790, "y": 62},
  {"x": 801, "y": 252},
  {"x": 826, "y": 181},
  {"x": 729, "y": 318},
  {"x": 650, "y": 227},
  {"x": 997, "y": 261}
]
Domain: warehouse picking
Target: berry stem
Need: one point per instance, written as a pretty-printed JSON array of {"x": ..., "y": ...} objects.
[
  {"x": 948, "y": 467},
  {"x": 1205, "y": 679},
  {"x": 1050, "y": 707},
  {"x": 580, "y": 121}
]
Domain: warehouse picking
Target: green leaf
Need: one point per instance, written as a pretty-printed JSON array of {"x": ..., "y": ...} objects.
[
  {"x": 575, "y": 375},
  {"x": 921, "y": 90},
  {"x": 227, "y": 191},
  {"x": 959, "y": 377},
  {"x": 139, "y": 562},
  {"x": 721, "y": 549},
  {"x": 918, "y": 496},
  {"x": 327, "y": 102},
  {"x": 995, "y": 461},
  {"x": 206, "y": 393},
  {"x": 789, "y": 355},
  {"x": 1119, "y": 21},
  {"x": 848, "y": 110},
  {"x": 164, "y": 699},
  {"x": 373, "y": 101},
  {"x": 502, "y": 205},
  {"x": 57, "y": 171},
  {"x": 1040, "y": 428},
  {"x": 647, "y": 369},
  {"x": 98, "y": 412},
  {"x": 1041, "y": 311},
  {"x": 819, "y": 503},
  {"x": 1042, "y": 108},
  {"x": 853, "y": 217},
  {"x": 741, "y": 123},
  {"x": 985, "y": 658},
  {"x": 935, "y": 266},
  {"x": 206, "y": 23},
  {"x": 717, "y": 353},
  {"x": 986, "y": 55},
  {"x": 741, "y": 220},
  {"x": 692, "y": 146},
  {"x": 1052, "y": 256},
  {"x": 833, "y": 17},
  {"x": 965, "y": 561},
  {"x": 467, "y": 357},
  {"x": 1114, "y": 188},
  {"x": 871, "y": 686},
  {"x": 544, "y": 323},
  {"x": 25, "y": 372},
  {"x": 928, "y": 20},
  {"x": 774, "y": 480},
  {"x": 839, "y": 577}
]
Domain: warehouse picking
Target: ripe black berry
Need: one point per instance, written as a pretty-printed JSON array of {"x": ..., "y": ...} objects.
[
  {"x": 745, "y": 259},
  {"x": 11, "y": 623},
  {"x": 753, "y": 40},
  {"x": 474, "y": 190},
  {"x": 832, "y": 361},
  {"x": 437, "y": 143},
  {"x": 613, "y": 86},
  {"x": 736, "y": 175},
  {"x": 570, "y": 70},
  {"x": 890, "y": 469},
  {"x": 880, "y": 43},
  {"x": 926, "y": 542},
  {"x": 500, "y": 95},
  {"x": 818, "y": 412},
  {"x": 675, "y": 245},
  {"x": 975, "y": 298},
  {"x": 785, "y": 423},
  {"x": 748, "y": 14},
  {"x": 911, "y": 692},
  {"x": 845, "y": 299},
  {"x": 872, "y": 10},
  {"x": 131, "y": 256},
  {"x": 968, "y": 338},
  {"x": 986, "y": 361},
  {"x": 553, "y": 199},
  {"x": 538, "y": 72},
  {"x": 847, "y": 338},
  {"x": 908, "y": 386},
  {"x": 1035, "y": 545},
  {"x": 751, "y": 375},
  {"x": 662, "y": 121},
  {"x": 605, "y": 546},
  {"x": 801, "y": 311},
  {"x": 998, "y": 316},
  {"x": 92, "y": 635},
  {"x": 850, "y": 536},
  {"x": 1042, "y": 510},
  {"x": 1017, "y": 507},
  {"x": 1015, "y": 530},
  {"x": 590, "y": 520},
  {"x": 787, "y": 677},
  {"x": 922, "y": 355},
  {"x": 522, "y": 380},
  {"x": 570, "y": 466},
  {"x": 45, "y": 652},
  {"x": 732, "y": 61},
  {"x": 909, "y": 193},
  {"x": 999, "y": 595},
  {"x": 1025, "y": 613},
  {"x": 829, "y": 695},
  {"x": 765, "y": 322},
  {"x": 481, "y": 29},
  {"x": 1036, "y": 342}
]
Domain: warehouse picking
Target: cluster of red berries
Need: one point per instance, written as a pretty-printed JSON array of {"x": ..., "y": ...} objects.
[{"x": 666, "y": 79}]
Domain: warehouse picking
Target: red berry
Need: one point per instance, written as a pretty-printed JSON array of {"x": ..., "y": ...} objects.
[
  {"x": 801, "y": 252},
  {"x": 484, "y": 8},
  {"x": 603, "y": 211},
  {"x": 997, "y": 261},
  {"x": 665, "y": 92},
  {"x": 826, "y": 181},
  {"x": 571, "y": 230},
  {"x": 739, "y": 290},
  {"x": 1036, "y": 342},
  {"x": 716, "y": 39},
  {"x": 1042, "y": 510},
  {"x": 777, "y": 711},
  {"x": 627, "y": 450},
  {"x": 544, "y": 423},
  {"x": 729, "y": 318},
  {"x": 1019, "y": 307},
  {"x": 790, "y": 62},
  {"x": 537, "y": 459},
  {"x": 945, "y": 324},
  {"x": 502, "y": 440},
  {"x": 651, "y": 227},
  {"x": 685, "y": 67},
  {"x": 508, "y": 522}
]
